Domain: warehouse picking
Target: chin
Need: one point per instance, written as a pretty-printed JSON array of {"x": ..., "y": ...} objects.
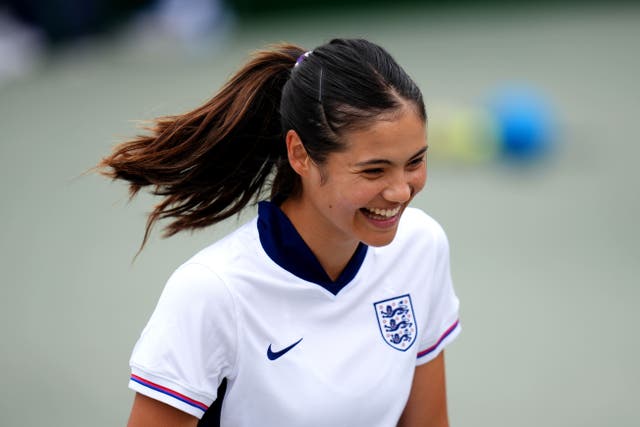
[{"x": 377, "y": 241}]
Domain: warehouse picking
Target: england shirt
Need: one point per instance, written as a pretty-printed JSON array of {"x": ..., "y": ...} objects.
[{"x": 296, "y": 348}]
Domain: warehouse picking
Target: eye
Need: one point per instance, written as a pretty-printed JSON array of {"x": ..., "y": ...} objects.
[
  {"x": 373, "y": 172},
  {"x": 418, "y": 161}
]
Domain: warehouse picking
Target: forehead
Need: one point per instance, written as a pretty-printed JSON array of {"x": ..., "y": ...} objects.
[{"x": 395, "y": 137}]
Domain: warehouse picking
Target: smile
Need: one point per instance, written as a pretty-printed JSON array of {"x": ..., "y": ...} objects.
[{"x": 381, "y": 213}]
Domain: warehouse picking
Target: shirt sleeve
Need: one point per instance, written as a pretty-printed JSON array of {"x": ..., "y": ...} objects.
[
  {"x": 189, "y": 343},
  {"x": 442, "y": 324}
]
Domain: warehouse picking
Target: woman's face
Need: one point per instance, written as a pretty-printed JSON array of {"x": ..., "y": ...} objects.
[{"x": 360, "y": 193}]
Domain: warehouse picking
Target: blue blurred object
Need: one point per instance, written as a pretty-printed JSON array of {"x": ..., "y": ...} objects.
[{"x": 524, "y": 121}]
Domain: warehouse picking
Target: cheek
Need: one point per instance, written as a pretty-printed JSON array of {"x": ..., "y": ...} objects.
[
  {"x": 360, "y": 194},
  {"x": 419, "y": 179}
]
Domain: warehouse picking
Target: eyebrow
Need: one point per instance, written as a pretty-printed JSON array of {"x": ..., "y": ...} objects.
[{"x": 388, "y": 162}]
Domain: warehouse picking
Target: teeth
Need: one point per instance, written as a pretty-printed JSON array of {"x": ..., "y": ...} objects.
[{"x": 387, "y": 213}]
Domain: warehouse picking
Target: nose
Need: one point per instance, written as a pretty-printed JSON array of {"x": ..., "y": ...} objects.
[{"x": 398, "y": 191}]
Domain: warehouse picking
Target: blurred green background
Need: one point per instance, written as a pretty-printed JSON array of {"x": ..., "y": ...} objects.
[{"x": 544, "y": 254}]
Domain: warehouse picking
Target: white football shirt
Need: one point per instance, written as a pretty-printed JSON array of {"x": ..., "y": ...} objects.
[{"x": 295, "y": 347}]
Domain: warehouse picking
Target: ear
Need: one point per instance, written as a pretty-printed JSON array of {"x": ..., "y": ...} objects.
[{"x": 296, "y": 153}]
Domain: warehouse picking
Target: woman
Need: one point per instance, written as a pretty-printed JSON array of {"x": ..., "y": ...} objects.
[{"x": 333, "y": 306}]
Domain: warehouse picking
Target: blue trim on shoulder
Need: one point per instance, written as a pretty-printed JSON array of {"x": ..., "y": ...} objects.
[{"x": 282, "y": 243}]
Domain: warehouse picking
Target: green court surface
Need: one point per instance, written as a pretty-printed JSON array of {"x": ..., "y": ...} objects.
[{"x": 544, "y": 257}]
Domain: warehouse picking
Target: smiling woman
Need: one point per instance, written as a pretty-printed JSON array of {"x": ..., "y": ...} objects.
[
  {"x": 338, "y": 294},
  {"x": 359, "y": 193}
]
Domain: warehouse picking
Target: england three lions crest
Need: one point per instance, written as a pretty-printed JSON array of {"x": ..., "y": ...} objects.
[{"x": 396, "y": 321}]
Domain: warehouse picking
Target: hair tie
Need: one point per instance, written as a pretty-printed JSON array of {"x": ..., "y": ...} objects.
[{"x": 302, "y": 57}]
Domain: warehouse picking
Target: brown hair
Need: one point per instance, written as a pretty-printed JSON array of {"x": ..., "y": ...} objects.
[
  {"x": 211, "y": 162},
  {"x": 207, "y": 164}
]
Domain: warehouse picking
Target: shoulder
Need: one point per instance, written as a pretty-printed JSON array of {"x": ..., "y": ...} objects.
[
  {"x": 420, "y": 244},
  {"x": 415, "y": 217},
  {"x": 193, "y": 294},
  {"x": 195, "y": 309},
  {"x": 204, "y": 276},
  {"x": 221, "y": 256},
  {"x": 419, "y": 228},
  {"x": 211, "y": 276}
]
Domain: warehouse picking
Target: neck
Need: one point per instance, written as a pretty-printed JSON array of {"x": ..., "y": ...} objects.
[{"x": 332, "y": 250}]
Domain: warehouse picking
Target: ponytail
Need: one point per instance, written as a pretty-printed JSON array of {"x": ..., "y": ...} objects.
[{"x": 208, "y": 164}]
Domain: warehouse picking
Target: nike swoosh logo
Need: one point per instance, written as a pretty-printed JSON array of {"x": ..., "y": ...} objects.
[{"x": 273, "y": 355}]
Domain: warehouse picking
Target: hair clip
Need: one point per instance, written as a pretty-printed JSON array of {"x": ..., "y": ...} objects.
[{"x": 302, "y": 57}]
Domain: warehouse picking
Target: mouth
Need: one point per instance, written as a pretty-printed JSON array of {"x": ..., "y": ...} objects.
[{"x": 381, "y": 214}]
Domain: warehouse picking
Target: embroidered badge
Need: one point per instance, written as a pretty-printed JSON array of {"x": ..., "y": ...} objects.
[{"x": 396, "y": 321}]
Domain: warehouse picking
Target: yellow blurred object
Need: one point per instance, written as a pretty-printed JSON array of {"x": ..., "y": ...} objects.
[{"x": 467, "y": 134}]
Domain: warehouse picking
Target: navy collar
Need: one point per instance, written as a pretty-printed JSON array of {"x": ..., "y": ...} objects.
[{"x": 281, "y": 241}]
